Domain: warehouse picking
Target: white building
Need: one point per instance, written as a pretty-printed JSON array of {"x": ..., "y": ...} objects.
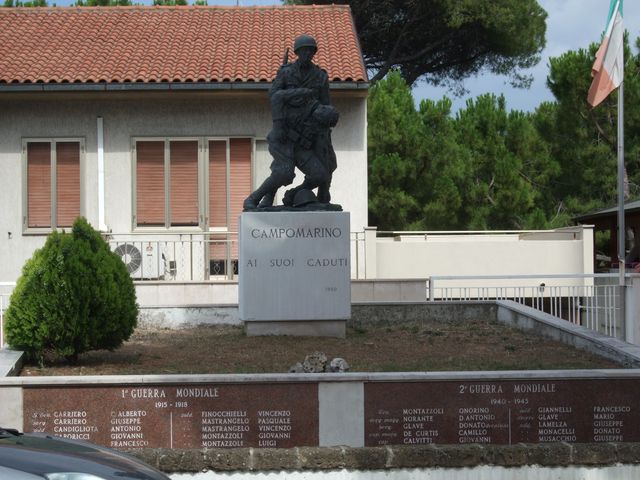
[{"x": 151, "y": 123}]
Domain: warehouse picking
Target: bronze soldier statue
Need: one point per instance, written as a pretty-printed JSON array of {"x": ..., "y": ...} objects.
[{"x": 301, "y": 132}]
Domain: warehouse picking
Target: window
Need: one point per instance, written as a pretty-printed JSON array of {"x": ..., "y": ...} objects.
[
  {"x": 178, "y": 186},
  {"x": 150, "y": 183},
  {"x": 167, "y": 183},
  {"x": 52, "y": 173},
  {"x": 229, "y": 166}
]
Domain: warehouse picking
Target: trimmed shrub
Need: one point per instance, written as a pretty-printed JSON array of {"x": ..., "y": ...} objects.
[{"x": 74, "y": 295}]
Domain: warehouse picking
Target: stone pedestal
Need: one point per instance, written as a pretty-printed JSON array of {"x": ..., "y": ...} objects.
[{"x": 294, "y": 273}]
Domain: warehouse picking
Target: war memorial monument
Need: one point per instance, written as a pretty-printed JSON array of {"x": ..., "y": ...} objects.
[
  {"x": 294, "y": 279},
  {"x": 294, "y": 273}
]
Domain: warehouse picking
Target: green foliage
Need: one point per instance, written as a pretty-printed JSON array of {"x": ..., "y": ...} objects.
[
  {"x": 584, "y": 139},
  {"x": 74, "y": 295},
  {"x": 103, "y": 3},
  {"x": 509, "y": 164},
  {"x": 485, "y": 168},
  {"x": 29, "y": 3},
  {"x": 168, "y": 3},
  {"x": 489, "y": 168},
  {"x": 393, "y": 140},
  {"x": 445, "y": 41}
]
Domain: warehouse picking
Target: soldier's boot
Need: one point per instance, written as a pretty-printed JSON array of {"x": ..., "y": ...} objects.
[
  {"x": 269, "y": 187},
  {"x": 267, "y": 200},
  {"x": 323, "y": 193}
]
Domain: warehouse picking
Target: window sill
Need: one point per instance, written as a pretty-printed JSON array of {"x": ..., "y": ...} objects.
[
  {"x": 168, "y": 231},
  {"x": 38, "y": 232}
]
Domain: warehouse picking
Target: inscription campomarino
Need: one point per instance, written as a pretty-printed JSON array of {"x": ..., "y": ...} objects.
[{"x": 294, "y": 266}]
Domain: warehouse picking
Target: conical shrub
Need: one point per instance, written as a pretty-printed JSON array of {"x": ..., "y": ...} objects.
[{"x": 74, "y": 295}]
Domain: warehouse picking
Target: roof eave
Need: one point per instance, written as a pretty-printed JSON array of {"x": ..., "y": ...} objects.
[
  {"x": 141, "y": 86},
  {"x": 630, "y": 207}
]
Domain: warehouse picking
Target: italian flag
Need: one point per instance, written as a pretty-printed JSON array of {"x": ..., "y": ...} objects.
[{"x": 608, "y": 69}]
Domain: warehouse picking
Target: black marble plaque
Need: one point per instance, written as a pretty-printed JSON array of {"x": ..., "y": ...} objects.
[
  {"x": 502, "y": 412},
  {"x": 171, "y": 416}
]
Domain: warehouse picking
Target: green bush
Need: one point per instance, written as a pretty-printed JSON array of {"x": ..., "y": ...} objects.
[{"x": 74, "y": 295}]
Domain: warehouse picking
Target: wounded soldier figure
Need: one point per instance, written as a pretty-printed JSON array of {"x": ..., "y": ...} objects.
[{"x": 301, "y": 133}]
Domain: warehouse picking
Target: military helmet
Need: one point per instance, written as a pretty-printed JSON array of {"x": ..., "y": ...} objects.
[
  {"x": 304, "y": 41},
  {"x": 304, "y": 197}
]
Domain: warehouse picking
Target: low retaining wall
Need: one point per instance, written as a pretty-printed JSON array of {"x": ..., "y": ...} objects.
[
  {"x": 283, "y": 411},
  {"x": 548, "y": 326},
  {"x": 153, "y": 294},
  {"x": 306, "y": 459},
  {"x": 341, "y": 423},
  {"x": 362, "y": 313}
]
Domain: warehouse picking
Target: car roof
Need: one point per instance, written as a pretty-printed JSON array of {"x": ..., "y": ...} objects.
[{"x": 6, "y": 472}]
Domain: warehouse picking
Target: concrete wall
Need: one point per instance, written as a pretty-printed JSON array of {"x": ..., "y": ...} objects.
[
  {"x": 632, "y": 310},
  {"x": 128, "y": 115},
  {"x": 180, "y": 305},
  {"x": 606, "y": 471},
  {"x": 548, "y": 326},
  {"x": 567, "y": 251},
  {"x": 478, "y": 462},
  {"x": 154, "y": 294}
]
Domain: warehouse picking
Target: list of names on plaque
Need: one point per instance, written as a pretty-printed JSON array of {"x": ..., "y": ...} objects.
[
  {"x": 73, "y": 423},
  {"x": 203, "y": 416},
  {"x": 224, "y": 428},
  {"x": 609, "y": 422},
  {"x": 419, "y": 425},
  {"x": 126, "y": 429},
  {"x": 274, "y": 427},
  {"x": 501, "y": 412}
]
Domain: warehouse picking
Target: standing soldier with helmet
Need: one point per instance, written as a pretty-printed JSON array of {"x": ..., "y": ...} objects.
[{"x": 301, "y": 132}]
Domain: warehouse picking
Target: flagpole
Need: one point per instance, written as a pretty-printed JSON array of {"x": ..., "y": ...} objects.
[
  {"x": 626, "y": 329},
  {"x": 621, "y": 227}
]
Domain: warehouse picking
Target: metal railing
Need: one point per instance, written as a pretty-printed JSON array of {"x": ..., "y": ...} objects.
[
  {"x": 591, "y": 300},
  {"x": 5, "y": 293},
  {"x": 202, "y": 256},
  {"x": 569, "y": 231},
  {"x": 209, "y": 255},
  {"x": 175, "y": 256},
  {"x": 357, "y": 255}
]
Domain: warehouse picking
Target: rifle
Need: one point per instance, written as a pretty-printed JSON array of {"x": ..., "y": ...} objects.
[{"x": 285, "y": 60}]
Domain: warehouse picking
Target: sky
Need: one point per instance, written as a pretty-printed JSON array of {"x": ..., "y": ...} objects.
[{"x": 571, "y": 24}]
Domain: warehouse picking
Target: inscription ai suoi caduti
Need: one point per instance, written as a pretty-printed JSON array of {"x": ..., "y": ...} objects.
[{"x": 282, "y": 233}]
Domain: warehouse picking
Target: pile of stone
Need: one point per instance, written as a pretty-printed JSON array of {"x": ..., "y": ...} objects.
[{"x": 317, "y": 362}]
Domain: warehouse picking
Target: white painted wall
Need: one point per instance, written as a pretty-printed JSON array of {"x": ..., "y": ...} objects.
[
  {"x": 565, "y": 251},
  {"x": 484, "y": 472},
  {"x": 127, "y": 115}
]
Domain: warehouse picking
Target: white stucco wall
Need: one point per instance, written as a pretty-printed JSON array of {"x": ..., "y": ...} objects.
[
  {"x": 481, "y": 472},
  {"x": 554, "y": 252},
  {"x": 128, "y": 115}
]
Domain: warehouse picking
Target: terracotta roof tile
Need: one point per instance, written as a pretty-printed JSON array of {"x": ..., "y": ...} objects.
[{"x": 170, "y": 44}]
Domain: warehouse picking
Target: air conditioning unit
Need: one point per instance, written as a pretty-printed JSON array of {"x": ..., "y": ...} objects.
[{"x": 143, "y": 259}]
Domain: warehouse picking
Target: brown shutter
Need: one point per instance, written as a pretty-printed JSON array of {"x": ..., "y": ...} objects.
[
  {"x": 183, "y": 158},
  {"x": 240, "y": 173},
  {"x": 217, "y": 194},
  {"x": 218, "y": 183},
  {"x": 67, "y": 183},
  {"x": 150, "y": 183},
  {"x": 39, "y": 184}
]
